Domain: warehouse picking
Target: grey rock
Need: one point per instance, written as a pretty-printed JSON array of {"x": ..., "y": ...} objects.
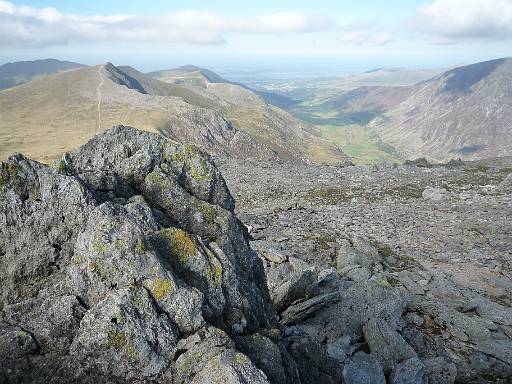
[
  {"x": 112, "y": 256},
  {"x": 209, "y": 356},
  {"x": 386, "y": 344},
  {"x": 294, "y": 288},
  {"x": 275, "y": 362},
  {"x": 506, "y": 185},
  {"x": 439, "y": 371},
  {"x": 411, "y": 371},
  {"x": 15, "y": 342},
  {"x": 314, "y": 364},
  {"x": 356, "y": 273},
  {"x": 348, "y": 311},
  {"x": 347, "y": 255},
  {"x": 435, "y": 194},
  {"x": 363, "y": 369}
]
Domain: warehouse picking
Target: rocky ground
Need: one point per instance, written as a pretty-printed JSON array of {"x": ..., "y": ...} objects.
[
  {"x": 442, "y": 235},
  {"x": 127, "y": 262}
]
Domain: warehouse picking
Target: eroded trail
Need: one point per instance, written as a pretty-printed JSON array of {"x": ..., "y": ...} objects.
[{"x": 99, "y": 94}]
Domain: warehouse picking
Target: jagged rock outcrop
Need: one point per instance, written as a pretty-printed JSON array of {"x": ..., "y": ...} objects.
[{"x": 124, "y": 262}]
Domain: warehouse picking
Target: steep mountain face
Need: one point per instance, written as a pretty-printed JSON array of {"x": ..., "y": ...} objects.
[
  {"x": 465, "y": 112},
  {"x": 13, "y": 74},
  {"x": 223, "y": 119},
  {"x": 269, "y": 126},
  {"x": 364, "y": 103}
]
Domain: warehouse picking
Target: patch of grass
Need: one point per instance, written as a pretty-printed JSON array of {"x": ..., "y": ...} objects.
[
  {"x": 385, "y": 250},
  {"x": 324, "y": 241},
  {"x": 360, "y": 143},
  {"x": 330, "y": 195}
]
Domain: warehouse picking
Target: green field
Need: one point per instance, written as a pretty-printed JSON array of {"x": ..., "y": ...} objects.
[
  {"x": 360, "y": 143},
  {"x": 356, "y": 140}
]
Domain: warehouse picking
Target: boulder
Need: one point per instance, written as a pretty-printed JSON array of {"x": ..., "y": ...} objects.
[
  {"x": 411, "y": 371},
  {"x": 439, "y": 371},
  {"x": 386, "y": 344},
  {"x": 114, "y": 254},
  {"x": 435, "y": 194},
  {"x": 506, "y": 185},
  {"x": 363, "y": 369},
  {"x": 209, "y": 356},
  {"x": 331, "y": 316}
]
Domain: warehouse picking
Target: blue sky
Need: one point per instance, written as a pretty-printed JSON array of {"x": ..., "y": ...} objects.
[{"x": 317, "y": 36}]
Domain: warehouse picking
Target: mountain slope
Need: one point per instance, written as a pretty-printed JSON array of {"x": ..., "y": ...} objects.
[
  {"x": 269, "y": 125},
  {"x": 465, "y": 112},
  {"x": 46, "y": 117},
  {"x": 13, "y": 74},
  {"x": 364, "y": 103},
  {"x": 188, "y": 74}
]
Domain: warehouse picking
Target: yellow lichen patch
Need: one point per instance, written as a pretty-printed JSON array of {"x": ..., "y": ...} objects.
[
  {"x": 240, "y": 358},
  {"x": 116, "y": 339},
  {"x": 98, "y": 245},
  {"x": 201, "y": 171},
  {"x": 9, "y": 177},
  {"x": 215, "y": 274},
  {"x": 139, "y": 247},
  {"x": 160, "y": 287},
  {"x": 131, "y": 352},
  {"x": 59, "y": 166},
  {"x": 182, "y": 246}
]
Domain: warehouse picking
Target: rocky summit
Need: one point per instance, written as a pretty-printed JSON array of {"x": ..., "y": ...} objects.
[{"x": 126, "y": 262}]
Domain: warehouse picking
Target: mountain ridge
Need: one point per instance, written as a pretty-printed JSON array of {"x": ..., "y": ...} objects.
[
  {"x": 16, "y": 73},
  {"x": 464, "y": 112},
  {"x": 46, "y": 117}
]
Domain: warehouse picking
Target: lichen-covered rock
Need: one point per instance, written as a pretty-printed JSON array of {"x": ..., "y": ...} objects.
[
  {"x": 113, "y": 255},
  {"x": 209, "y": 356}
]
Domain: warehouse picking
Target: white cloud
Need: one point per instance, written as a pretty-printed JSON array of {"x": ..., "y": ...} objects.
[
  {"x": 360, "y": 38},
  {"x": 29, "y": 26},
  {"x": 383, "y": 38},
  {"x": 452, "y": 20}
]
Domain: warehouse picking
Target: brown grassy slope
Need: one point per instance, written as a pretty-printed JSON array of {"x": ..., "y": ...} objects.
[
  {"x": 57, "y": 113},
  {"x": 51, "y": 115}
]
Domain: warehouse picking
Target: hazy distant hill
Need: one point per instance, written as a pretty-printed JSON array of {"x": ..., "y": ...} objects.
[
  {"x": 12, "y": 74},
  {"x": 465, "y": 112},
  {"x": 188, "y": 74},
  {"x": 59, "y": 112}
]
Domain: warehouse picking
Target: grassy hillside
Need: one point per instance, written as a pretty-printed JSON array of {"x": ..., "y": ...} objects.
[{"x": 50, "y": 115}]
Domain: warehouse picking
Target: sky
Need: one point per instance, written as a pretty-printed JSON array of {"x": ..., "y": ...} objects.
[{"x": 316, "y": 37}]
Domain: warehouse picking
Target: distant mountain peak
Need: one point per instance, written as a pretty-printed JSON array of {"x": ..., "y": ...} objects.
[
  {"x": 16, "y": 73},
  {"x": 461, "y": 79},
  {"x": 465, "y": 112}
]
